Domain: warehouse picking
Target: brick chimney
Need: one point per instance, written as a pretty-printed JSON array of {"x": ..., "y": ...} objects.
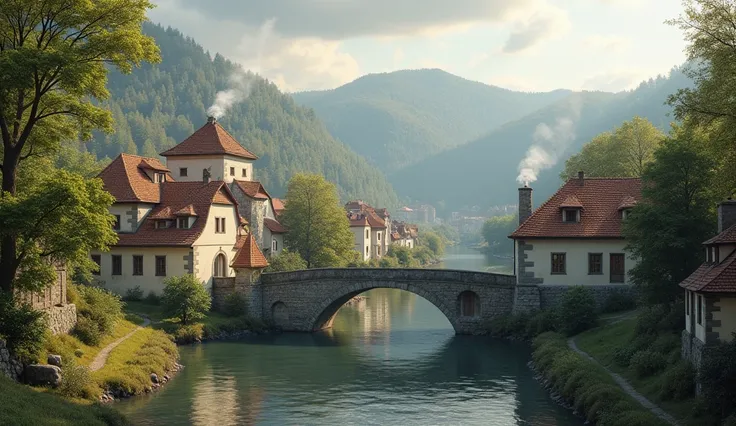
[
  {"x": 525, "y": 203},
  {"x": 581, "y": 178},
  {"x": 211, "y": 120},
  {"x": 726, "y": 214}
]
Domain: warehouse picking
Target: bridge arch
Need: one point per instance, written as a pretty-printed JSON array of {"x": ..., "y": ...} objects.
[{"x": 324, "y": 313}]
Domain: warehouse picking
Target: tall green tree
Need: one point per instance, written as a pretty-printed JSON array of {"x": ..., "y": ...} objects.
[
  {"x": 666, "y": 230},
  {"x": 53, "y": 66},
  {"x": 496, "y": 231},
  {"x": 624, "y": 152},
  {"x": 318, "y": 227}
]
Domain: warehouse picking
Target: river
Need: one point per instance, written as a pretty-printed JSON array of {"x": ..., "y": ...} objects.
[{"x": 390, "y": 359}]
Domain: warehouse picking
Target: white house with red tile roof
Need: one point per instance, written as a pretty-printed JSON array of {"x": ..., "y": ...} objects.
[
  {"x": 575, "y": 238},
  {"x": 710, "y": 291},
  {"x": 378, "y": 229}
]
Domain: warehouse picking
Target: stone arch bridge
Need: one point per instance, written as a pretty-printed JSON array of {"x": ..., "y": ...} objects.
[{"x": 308, "y": 300}]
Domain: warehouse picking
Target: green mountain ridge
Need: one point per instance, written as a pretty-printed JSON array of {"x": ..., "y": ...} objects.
[
  {"x": 159, "y": 105},
  {"x": 397, "y": 119},
  {"x": 484, "y": 171}
]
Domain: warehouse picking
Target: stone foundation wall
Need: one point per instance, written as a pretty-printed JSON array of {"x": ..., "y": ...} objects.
[
  {"x": 551, "y": 295},
  {"x": 692, "y": 348},
  {"x": 62, "y": 319},
  {"x": 9, "y": 366},
  {"x": 221, "y": 289},
  {"x": 526, "y": 299}
]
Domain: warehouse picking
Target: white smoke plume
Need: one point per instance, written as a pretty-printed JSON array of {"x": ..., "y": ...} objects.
[
  {"x": 240, "y": 81},
  {"x": 550, "y": 143}
]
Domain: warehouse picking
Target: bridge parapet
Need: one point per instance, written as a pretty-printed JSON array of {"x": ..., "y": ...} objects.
[{"x": 391, "y": 274}]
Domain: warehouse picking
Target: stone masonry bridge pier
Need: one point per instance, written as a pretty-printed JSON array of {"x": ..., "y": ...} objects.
[{"x": 308, "y": 300}]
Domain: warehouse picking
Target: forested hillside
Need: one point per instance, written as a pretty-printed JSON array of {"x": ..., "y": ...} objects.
[
  {"x": 397, "y": 119},
  {"x": 158, "y": 106},
  {"x": 483, "y": 172}
]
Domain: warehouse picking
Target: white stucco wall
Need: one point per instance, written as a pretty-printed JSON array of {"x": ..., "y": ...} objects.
[
  {"x": 195, "y": 165},
  {"x": 699, "y": 328},
  {"x": 361, "y": 242},
  {"x": 210, "y": 244},
  {"x": 175, "y": 265},
  {"x": 576, "y": 260},
  {"x": 378, "y": 239},
  {"x": 727, "y": 317},
  {"x": 239, "y": 164}
]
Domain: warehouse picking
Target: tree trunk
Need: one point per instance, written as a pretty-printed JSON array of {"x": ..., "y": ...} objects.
[{"x": 8, "y": 245}]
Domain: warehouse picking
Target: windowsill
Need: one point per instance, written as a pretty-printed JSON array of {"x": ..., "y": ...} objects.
[
  {"x": 558, "y": 273},
  {"x": 595, "y": 273}
]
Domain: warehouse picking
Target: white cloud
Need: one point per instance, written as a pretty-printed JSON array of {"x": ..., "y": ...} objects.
[
  {"x": 617, "y": 80},
  {"x": 546, "y": 23},
  {"x": 607, "y": 43}
]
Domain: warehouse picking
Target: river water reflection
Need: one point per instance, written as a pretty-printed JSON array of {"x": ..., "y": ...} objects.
[{"x": 391, "y": 358}]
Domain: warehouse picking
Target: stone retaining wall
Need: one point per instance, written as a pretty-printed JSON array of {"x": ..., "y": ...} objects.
[
  {"x": 551, "y": 295},
  {"x": 62, "y": 319},
  {"x": 9, "y": 366}
]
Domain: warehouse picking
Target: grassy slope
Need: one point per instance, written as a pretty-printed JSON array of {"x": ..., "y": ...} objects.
[
  {"x": 22, "y": 405},
  {"x": 601, "y": 343},
  {"x": 68, "y": 344}
]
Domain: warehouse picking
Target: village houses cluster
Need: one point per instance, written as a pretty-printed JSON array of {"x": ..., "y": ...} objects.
[{"x": 204, "y": 213}]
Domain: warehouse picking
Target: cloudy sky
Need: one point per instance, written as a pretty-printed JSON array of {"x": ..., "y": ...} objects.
[{"x": 530, "y": 45}]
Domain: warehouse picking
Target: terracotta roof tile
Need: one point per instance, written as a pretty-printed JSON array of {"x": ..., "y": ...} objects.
[
  {"x": 253, "y": 189},
  {"x": 600, "y": 199},
  {"x": 714, "y": 278},
  {"x": 357, "y": 220},
  {"x": 571, "y": 202},
  {"x": 278, "y": 205},
  {"x": 274, "y": 226},
  {"x": 186, "y": 211},
  {"x": 726, "y": 237},
  {"x": 210, "y": 139},
  {"x": 126, "y": 180},
  {"x": 374, "y": 220},
  {"x": 176, "y": 196},
  {"x": 627, "y": 203},
  {"x": 249, "y": 255}
]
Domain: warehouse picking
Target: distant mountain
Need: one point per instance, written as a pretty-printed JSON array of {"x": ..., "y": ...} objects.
[
  {"x": 483, "y": 172},
  {"x": 397, "y": 119},
  {"x": 158, "y": 106}
]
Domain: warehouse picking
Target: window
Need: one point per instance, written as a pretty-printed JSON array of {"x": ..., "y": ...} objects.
[
  {"x": 709, "y": 254},
  {"x": 162, "y": 224},
  {"x": 716, "y": 255},
  {"x": 245, "y": 172},
  {"x": 232, "y": 171},
  {"x": 570, "y": 215},
  {"x": 160, "y": 266},
  {"x": 379, "y": 236},
  {"x": 625, "y": 213},
  {"x": 558, "y": 263},
  {"x": 219, "y": 225},
  {"x": 184, "y": 222},
  {"x": 137, "y": 265},
  {"x": 702, "y": 310},
  {"x": 220, "y": 265},
  {"x": 366, "y": 251},
  {"x": 182, "y": 171},
  {"x": 274, "y": 246},
  {"x": 117, "y": 264},
  {"x": 98, "y": 260},
  {"x": 378, "y": 250},
  {"x": 116, "y": 224},
  {"x": 595, "y": 263},
  {"x": 618, "y": 268},
  {"x": 367, "y": 234},
  {"x": 687, "y": 302},
  {"x": 159, "y": 177}
]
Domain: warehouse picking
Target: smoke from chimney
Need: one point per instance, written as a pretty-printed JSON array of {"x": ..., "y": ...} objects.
[
  {"x": 241, "y": 81},
  {"x": 550, "y": 142}
]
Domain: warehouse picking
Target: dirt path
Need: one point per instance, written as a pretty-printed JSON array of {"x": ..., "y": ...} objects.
[
  {"x": 626, "y": 386},
  {"x": 101, "y": 357}
]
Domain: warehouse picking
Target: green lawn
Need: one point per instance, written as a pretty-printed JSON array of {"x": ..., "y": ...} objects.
[
  {"x": 22, "y": 405},
  {"x": 601, "y": 343}
]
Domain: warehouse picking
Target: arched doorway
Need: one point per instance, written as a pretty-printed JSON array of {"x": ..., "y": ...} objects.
[
  {"x": 468, "y": 304},
  {"x": 220, "y": 265}
]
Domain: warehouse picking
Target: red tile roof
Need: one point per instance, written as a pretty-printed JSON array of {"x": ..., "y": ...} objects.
[
  {"x": 571, "y": 202},
  {"x": 210, "y": 139},
  {"x": 357, "y": 220},
  {"x": 274, "y": 226},
  {"x": 278, "y": 205},
  {"x": 726, "y": 237},
  {"x": 127, "y": 181},
  {"x": 176, "y": 196},
  {"x": 249, "y": 255},
  {"x": 600, "y": 199},
  {"x": 253, "y": 189},
  {"x": 627, "y": 203},
  {"x": 369, "y": 212},
  {"x": 714, "y": 278},
  {"x": 186, "y": 211}
]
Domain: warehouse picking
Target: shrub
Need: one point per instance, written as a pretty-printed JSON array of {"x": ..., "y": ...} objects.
[
  {"x": 191, "y": 333},
  {"x": 87, "y": 331},
  {"x": 78, "y": 353},
  {"x": 152, "y": 299},
  {"x": 286, "y": 261},
  {"x": 22, "y": 328},
  {"x": 101, "y": 307},
  {"x": 717, "y": 377},
  {"x": 647, "y": 362},
  {"x": 134, "y": 318},
  {"x": 388, "y": 262},
  {"x": 423, "y": 255},
  {"x": 577, "y": 312},
  {"x": 622, "y": 356},
  {"x": 134, "y": 294},
  {"x": 647, "y": 321},
  {"x": 185, "y": 298},
  {"x": 76, "y": 382},
  {"x": 618, "y": 301},
  {"x": 673, "y": 320},
  {"x": 665, "y": 343},
  {"x": 679, "y": 382},
  {"x": 540, "y": 322},
  {"x": 72, "y": 295},
  {"x": 235, "y": 305}
]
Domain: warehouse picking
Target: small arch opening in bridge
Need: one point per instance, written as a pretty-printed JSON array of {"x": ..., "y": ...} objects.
[
  {"x": 280, "y": 314},
  {"x": 468, "y": 304}
]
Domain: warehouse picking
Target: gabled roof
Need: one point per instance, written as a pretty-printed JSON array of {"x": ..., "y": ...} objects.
[
  {"x": 571, "y": 202},
  {"x": 374, "y": 220},
  {"x": 253, "y": 189},
  {"x": 600, "y": 199},
  {"x": 713, "y": 277},
  {"x": 278, "y": 205},
  {"x": 248, "y": 255},
  {"x": 127, "y": 181},
  {"x": 176, "y": 196},
  {"x": 274, "y": 226},
  {"x": 210, "y": 139},
  {"x": 627, "y": 203},
  {"x": 186, "y": 211},
  {"x": 726, "y": 237}
]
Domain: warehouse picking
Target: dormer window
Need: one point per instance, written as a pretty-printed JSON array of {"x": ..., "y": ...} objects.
[
  {"x": 161, "y": 224},
  {"x": 159, "y": 177},
  {"x": 571, "y": 215},
  {"x": 183, "y": 223},
  {"x": 712, "y": 254},
  {"x": 625, "y": 213}
]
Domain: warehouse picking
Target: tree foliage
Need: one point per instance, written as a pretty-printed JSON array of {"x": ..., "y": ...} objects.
[
  {"x": 185, "y": 298},
  {"x": 285, "y": 261},
  {"x": 666, "y": 230},
  {"x": 318, "y": 227},
  {"x": 624, "y": 152},
  {"x": 496, "y": 231},
  {"x": 433, "y": 241}
]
